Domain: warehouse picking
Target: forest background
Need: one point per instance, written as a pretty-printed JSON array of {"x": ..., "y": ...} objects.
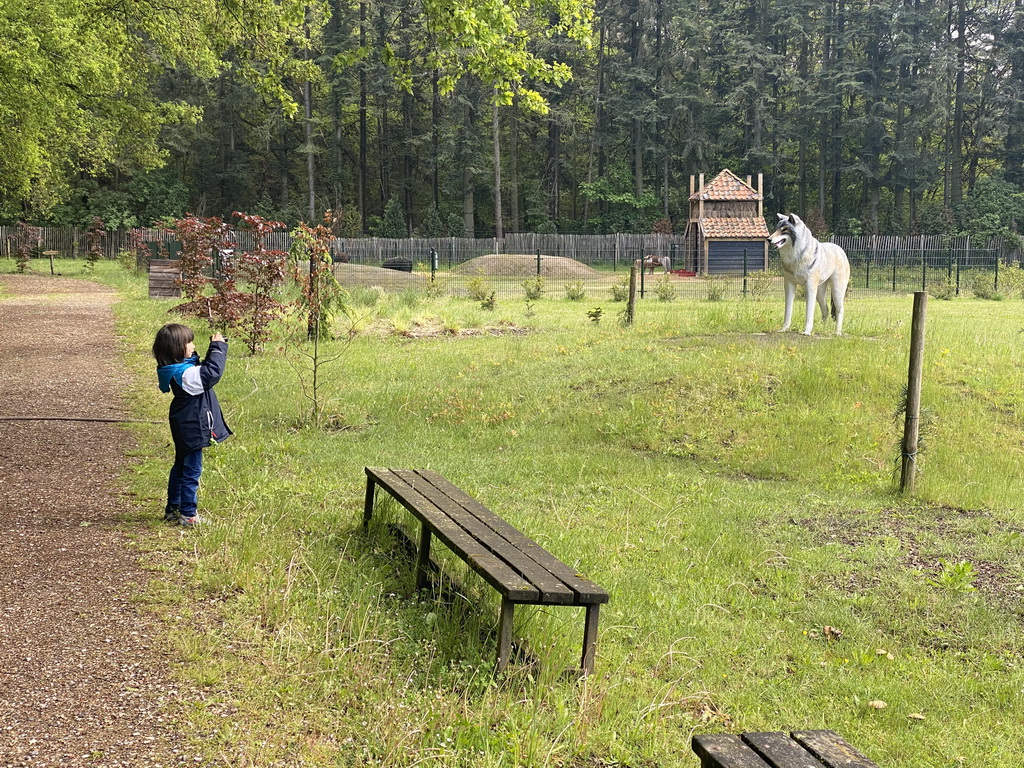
[{"x": 430, "y": 117}]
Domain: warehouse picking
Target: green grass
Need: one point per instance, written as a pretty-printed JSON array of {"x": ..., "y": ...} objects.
[{"x": 730, "y": 487}]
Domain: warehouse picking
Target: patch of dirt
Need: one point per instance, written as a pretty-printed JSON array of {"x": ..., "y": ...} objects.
[
  {"x": 525, "y": 265},
  {"x": 435, "y": 329},
  {"x": 83, "y": 678},
  {"x": 910, "y": 528},
  {"x": 389, "y": 279}
]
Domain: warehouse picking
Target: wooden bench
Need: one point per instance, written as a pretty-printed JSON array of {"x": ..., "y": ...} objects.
[
  {"x": 799, "y": 749},
  {"x": 520, "y": 570}
]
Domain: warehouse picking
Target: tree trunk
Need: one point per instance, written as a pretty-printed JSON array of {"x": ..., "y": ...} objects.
[
  {"x": 435, "y": 140},
  {"x": 513, "y": 171},
  {"x": 499, "y": 232},
  {"x": 554, "y": 169},
  {"x": 307, "y": 102},
  {"x": 362, "y": 171},
  {"x": 956, "y": 160},
  {"x": 596, "y": 148},
  {"x": 468, "y": 182},
  {"x": 407, "y": 160}
]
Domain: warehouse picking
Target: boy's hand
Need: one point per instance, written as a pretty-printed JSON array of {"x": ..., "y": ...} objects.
[{"x": 217, "y": 337}]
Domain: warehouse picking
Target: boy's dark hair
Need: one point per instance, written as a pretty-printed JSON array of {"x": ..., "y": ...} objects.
[{"x": 169, "y": 345}]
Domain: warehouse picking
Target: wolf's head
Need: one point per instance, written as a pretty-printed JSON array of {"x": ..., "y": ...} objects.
[{"x": 790, "y": 229}]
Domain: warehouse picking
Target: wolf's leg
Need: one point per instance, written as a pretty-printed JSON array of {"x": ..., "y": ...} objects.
[
  {"x": 823, "y": 301},
  {"x": 838, "y": 297},
  {"x": 812, "y": 292},
  {"x": 790, "y": 296}
]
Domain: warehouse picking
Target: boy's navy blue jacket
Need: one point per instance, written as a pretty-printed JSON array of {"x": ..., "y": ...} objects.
[{"x": 196, "y": 419}]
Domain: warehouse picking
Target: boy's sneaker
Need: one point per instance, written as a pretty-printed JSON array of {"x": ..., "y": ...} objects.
[
  {"x": 171, "y": 516},
  {"x": 189, "y": 521}
]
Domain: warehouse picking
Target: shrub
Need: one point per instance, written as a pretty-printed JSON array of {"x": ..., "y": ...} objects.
[
  {"x": 478, "y": 287},
  {"x": 983, "y": 286},
  {"x": 575, "y": 291},
  {"x": 321, "y": 294},
  {"x": 944, "y": 289},
  {"x": 95, "y": 237},
  {"x": 1011, "y": 279},
  {"x": 26, "y": 240},
  {"x": 664, "y": 289},
  {"x": 716, "y": 287},
  {"x": 760, "y": 284},
  {"x": 489, "y": 302},
  {"x": 435, "y": 289},
  {"x": 620, "y": 289},
  {"x": 534, "y": 287}
]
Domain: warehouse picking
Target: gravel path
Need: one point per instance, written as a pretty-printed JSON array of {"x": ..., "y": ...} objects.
[{"x": 82, "y": 679}]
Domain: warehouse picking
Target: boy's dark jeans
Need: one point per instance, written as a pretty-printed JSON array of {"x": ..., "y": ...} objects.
[{"x": 183, "y": 483}]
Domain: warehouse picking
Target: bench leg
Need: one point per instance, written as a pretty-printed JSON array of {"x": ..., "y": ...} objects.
[
  {"x": 504, "y": 634},
  {"x": 423, "y": 557},
  {"x": 368, "y": 504},
  {"x": 590, "y": 638}
]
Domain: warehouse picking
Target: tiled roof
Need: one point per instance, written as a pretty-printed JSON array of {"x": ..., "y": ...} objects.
[
  {"x": 754, "y": 228},
  {"x": 727, "y": 186}
]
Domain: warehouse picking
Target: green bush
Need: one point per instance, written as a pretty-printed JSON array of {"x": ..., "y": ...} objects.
[
  {"x": 664, "y": 289},
  {"x": 534, "y": 287},
  {"x": 983, "y": 286},
  {"x": 716, "y": 287},
  {"x": 944, "y": 289},
  {"x": 575, "y": 291},
  {"x": 1011, "y": 280},
  {"x": 760, "y": 284},
  {"x": 620, "y": 289},
  {"x": 478, "y": 287}
]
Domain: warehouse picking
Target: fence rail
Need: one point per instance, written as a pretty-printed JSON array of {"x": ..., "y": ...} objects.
[{"x": 878, "y": 263}]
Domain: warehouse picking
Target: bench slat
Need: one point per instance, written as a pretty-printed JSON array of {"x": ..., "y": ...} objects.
[
  {"x": 723, "y": 750},
  {"x": 551, "y": 589},
  {"x": 780, "y": 750},
  {"x": 586, "y": 590},
  {"x": 495, "y": 571},
  {"x": 832, "y": 749}
]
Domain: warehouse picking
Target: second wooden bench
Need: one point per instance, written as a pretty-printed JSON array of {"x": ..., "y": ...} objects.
[{"x": 523, "y": 572}]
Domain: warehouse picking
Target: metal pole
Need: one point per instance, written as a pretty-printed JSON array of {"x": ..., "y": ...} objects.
[
  {"x": 996, "y": 286},
  {"x": 642, "y": 272},
  {"x": 867, "y": 280},
  {"x": 911, "y": 424},
  {"x": 744, "y": 271},
  {"x": 538, "y": 261}
]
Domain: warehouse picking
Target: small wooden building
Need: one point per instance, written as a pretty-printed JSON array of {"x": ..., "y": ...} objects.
[{"x": 726, "y": 222}]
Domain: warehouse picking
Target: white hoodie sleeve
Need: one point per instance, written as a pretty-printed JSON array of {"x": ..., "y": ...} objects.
[{"x": 191, "y": 381}]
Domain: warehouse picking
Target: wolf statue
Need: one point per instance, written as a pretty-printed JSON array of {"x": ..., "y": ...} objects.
[{"x": 813, "y": 264}]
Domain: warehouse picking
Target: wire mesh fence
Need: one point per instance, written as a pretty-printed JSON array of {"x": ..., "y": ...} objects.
[{"x": 595, "y": 266}]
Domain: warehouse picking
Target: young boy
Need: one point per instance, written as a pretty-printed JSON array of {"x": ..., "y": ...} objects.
[{"x": 195, "y": 417}]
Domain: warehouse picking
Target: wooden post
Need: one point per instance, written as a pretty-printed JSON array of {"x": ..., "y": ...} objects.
[
  {"x": 368, "y": 502},
  {"x": 504, "y": 633},
  {"x": 631, "y": 301},
  {"x": 423, "y": 558},
  {"x": 590, "y": 638},
  {"x": 911, "y": 425}
]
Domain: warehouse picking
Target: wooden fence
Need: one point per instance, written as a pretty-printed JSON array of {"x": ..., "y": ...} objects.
[{"x": 879, "y": 263}]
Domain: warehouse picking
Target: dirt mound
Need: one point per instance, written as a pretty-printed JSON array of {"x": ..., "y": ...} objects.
[
  {"x": 525, "y": 265},
  {"x": 388, "y": 279}
]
